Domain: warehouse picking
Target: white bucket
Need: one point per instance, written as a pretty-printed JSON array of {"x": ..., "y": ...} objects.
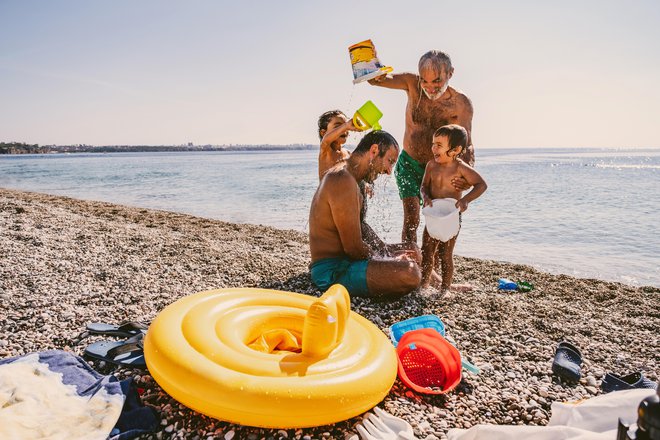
[{"x": 442, "y": 219}]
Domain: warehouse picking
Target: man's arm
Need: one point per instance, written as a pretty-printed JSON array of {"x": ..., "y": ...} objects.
[
  {"x": 465, "y": 120},
  {"x": 400, "y": 81},
  {"x": 372, "y": 239},
  {"x": 344, "y": 202}
]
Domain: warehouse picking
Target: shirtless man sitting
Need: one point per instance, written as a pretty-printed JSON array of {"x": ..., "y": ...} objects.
[
  {"x": 431, "y": 104},
  {"x": 340, "y": 252}
]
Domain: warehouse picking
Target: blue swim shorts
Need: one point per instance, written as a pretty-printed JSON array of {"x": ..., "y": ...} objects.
[{"x": 350, "y": 274}]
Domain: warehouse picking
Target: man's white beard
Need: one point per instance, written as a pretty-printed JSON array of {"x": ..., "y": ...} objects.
[{"x": 436, "y": 95}]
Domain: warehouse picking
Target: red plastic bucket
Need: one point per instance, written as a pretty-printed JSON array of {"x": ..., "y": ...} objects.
[{"x": 428, "y": 363}]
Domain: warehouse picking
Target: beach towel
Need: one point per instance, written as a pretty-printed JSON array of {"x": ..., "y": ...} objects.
[
  {"x": 56, "y": 395},
  {"x": 591, "y": 419}
]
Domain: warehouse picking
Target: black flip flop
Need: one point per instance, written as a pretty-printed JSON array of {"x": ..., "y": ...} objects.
[
  {"x": 566, "y": 364},
  {"x": 128, "y": 353},
  {"x": 124, "y": 330}
]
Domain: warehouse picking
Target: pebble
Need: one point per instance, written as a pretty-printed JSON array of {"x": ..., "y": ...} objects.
[{"x": 230, "y": 435}]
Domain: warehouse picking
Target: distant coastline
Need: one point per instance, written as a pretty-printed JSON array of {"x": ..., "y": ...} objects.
[{"x": 22, "y": 148}]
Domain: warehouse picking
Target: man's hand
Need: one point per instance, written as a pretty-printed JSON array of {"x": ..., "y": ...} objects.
[
  {"x": 460, "y": 184},
  {"x": 405, "y": 254},
  {"x": 462, "y": 205},
  {"x": 427, "y": 201},
  {"x": 377, "y": 79}
]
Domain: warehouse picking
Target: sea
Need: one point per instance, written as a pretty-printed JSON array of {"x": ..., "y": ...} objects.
[{"x": 589, "y": 213}]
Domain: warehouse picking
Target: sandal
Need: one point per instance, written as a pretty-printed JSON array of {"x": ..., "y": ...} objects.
[
  {"x": 567, "y": 362},
  {"x": 612, "y": 382},
  {"x": 124, "y": 330},
  {"x": 128, "y": 353}
]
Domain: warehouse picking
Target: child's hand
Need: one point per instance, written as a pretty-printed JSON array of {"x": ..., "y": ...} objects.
[
  {"x": 462, "y": 205},
  {"x": 350, "y": 126},
  {"x": 428, "y": 201}
]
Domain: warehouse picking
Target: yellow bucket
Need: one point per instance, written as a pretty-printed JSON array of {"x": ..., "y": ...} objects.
[{"x": 365, "y": 63}]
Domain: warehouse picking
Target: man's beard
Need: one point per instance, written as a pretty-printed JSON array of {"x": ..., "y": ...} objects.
[
  {"x": 371, "y": 175},
  {"x": 436, "y": 95}
]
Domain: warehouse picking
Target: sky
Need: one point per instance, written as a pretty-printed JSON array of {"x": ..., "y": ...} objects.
[{"x": 539, "y": 74}]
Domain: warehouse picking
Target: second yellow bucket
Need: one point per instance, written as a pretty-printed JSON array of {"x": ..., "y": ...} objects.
[{"x": 365, "y": 63}]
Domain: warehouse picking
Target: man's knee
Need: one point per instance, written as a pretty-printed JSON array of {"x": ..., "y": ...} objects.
[{"x": 412, "y": 277}]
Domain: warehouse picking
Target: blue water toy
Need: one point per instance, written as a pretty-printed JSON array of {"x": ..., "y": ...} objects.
[{"x": 506, "y": 284}]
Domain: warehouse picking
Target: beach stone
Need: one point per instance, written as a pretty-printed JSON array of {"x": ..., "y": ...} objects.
[{"x": 229, "y": 435}]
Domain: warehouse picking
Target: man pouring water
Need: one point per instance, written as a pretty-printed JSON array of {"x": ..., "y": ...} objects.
[{"x": 432, "y": 103}]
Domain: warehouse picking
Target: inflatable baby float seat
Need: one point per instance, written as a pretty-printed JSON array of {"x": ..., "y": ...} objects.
[{"x": 269, "y": 358}]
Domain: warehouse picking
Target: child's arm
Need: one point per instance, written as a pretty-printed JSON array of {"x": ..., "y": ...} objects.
[
  {"x": 425, "y": 188},
  {"x": 477, "y": 182},
  {"x": 331, "y": 136}
]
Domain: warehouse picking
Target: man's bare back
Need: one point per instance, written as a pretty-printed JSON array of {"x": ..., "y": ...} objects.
[{"x": 338, "y": 187}]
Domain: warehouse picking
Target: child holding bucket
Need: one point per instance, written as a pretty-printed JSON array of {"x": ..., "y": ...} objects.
[
  {"x": 448, "y": 143},
  {"x": 333, "y": 132}
]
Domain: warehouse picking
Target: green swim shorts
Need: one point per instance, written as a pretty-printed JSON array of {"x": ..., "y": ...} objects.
[
  {"x": 409, "y": 174},
  {"x": 349, "y": 273}
]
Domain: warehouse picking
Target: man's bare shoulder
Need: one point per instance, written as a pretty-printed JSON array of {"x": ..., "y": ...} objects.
[
  {"x": 338, "y": 176},
  {"x": 461, "y": 98}
]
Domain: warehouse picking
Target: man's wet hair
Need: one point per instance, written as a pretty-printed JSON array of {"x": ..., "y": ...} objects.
[
  {"x": 436, "y": 61},
  {"x": 384, "y": 140},
  {"x": 456, "y": 135},
  {"x": 325, "y": 119}
]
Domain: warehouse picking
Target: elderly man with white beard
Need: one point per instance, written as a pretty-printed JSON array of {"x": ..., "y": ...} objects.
[{"x": 432, "y": 103}]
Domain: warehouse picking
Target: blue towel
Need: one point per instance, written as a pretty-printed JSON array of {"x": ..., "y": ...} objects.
[{"x": 35, "y": 387}]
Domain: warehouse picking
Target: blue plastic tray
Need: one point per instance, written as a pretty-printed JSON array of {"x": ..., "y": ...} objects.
[{"x": 418, "y": 322}]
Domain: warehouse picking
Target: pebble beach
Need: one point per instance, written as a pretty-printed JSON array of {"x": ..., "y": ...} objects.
[{"x": 66, "y": 262}]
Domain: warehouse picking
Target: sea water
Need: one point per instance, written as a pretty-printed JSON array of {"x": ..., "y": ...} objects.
[{"x": 583, "y": 212}]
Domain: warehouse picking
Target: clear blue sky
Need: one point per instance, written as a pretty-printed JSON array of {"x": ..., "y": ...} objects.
[{"x": 540, "y": 74}]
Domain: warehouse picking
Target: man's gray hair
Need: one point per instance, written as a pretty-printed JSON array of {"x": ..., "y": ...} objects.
[{"x": 435, "y": 60}]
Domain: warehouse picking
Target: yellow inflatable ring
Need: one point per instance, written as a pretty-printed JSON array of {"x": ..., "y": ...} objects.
[{"x": 206, "y": 351}]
